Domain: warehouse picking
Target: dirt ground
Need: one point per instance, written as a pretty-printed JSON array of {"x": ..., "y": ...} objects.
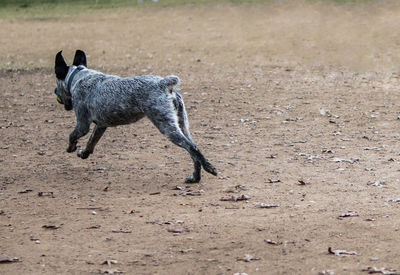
[{"x": 296, "y": 106}]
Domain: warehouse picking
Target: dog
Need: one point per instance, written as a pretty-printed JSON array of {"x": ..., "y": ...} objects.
[{"x": 108, "y": 101}]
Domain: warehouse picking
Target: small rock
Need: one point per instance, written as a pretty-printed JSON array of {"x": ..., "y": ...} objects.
[
  {"x": 378, "y": 183},
  {"x": 351, "y": 160},
  {"x": 274, "y": 180},
  {"x": 272, "y": 242},
  {"x": 264, "y": 205},
  {"x": 236, "y": 198},
  {"x": 191, "y": 193},
  {"x": 393, "y": 200},
  {"x": 248, "y": 258},
  {"x": 341, "y": 252}
]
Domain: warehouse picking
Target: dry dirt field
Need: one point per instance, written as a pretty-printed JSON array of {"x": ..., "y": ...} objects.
[{"x": 296, "y": 106}]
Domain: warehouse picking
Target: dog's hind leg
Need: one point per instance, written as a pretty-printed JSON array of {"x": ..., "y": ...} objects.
[
  {"x": 94, "y": 138},
  {"x": 182, "y": 115},
  {"x": 184, "y": 126},
  {"x": 167, "y": 124}
]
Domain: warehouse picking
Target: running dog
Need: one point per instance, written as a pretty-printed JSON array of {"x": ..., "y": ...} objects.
[{"x": 108, "y": 100}]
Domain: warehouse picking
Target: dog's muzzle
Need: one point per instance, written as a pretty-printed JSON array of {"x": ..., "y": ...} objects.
[{"x": 68, "y": 106}]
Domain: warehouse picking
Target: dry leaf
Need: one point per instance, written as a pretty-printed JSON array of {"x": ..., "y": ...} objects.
[
  {"x": 109, "y": 262},
  {"x": 7, "y": 260},
  {"x": 51, "y": 226},
  {"x": 121, "y": 231},
  {"x": 348, "y": 214},
  {"x": 25, "y": 191},
  {"x": 302, "y": 182},
  {"x": 111, "y": 271},
  {"x": 97, "y": 226},
  {"x": 178, "y": 230}
]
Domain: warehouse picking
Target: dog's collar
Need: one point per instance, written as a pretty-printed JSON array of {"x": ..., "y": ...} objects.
[{"x": 71, "y": 76}]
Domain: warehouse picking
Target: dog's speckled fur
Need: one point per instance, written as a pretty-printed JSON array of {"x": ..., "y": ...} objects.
[{"x": 109, "y": 100}]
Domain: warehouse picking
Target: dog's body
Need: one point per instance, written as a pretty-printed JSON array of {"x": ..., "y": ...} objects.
[{"x": 109, "y": 101}]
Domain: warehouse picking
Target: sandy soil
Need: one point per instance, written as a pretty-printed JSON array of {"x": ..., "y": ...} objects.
[{"x": 294, "y": 118}]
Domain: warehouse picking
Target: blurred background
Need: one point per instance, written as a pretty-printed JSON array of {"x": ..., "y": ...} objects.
[{"x": 361, "y": 35}]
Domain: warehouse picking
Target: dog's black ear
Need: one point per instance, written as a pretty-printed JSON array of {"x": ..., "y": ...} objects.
[
  {"x": 61, "y": 68},
  {"x": 80, "y": 58}
]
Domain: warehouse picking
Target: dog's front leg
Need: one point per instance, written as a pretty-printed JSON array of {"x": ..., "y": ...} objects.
[
  {"x": 81, "y": 129},
  {"x": 94, "y": 138}
]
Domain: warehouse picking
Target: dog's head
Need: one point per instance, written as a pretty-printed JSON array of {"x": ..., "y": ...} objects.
[{"x": 62, "y": 69}]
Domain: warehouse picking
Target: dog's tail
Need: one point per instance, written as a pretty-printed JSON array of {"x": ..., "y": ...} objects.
[{"x": 169, "y": 81}]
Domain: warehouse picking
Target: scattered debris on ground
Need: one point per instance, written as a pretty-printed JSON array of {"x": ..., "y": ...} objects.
[
  {"x": 7, "y": 260},
  {"x": 382, "y": 270},
  {"x": 347, "y": 215},
  {"x": 264, "y": 205},
  {"x": 341, "y": 252},
  {"x": 236, "y": 198},
  {"x": 248, "y": 258},
  {"x": 268, "y": 241}
]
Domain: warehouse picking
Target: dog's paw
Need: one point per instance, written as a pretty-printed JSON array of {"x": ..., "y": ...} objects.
[
  {"x": 71, "y": 148},
  {"x": 192, "y": 179},
  {"x": 210, "y": 168},
  {"x": 83, "y": 154}
]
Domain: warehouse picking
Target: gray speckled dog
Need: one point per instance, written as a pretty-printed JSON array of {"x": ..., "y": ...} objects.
[{"x": 109, "y": 100}]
